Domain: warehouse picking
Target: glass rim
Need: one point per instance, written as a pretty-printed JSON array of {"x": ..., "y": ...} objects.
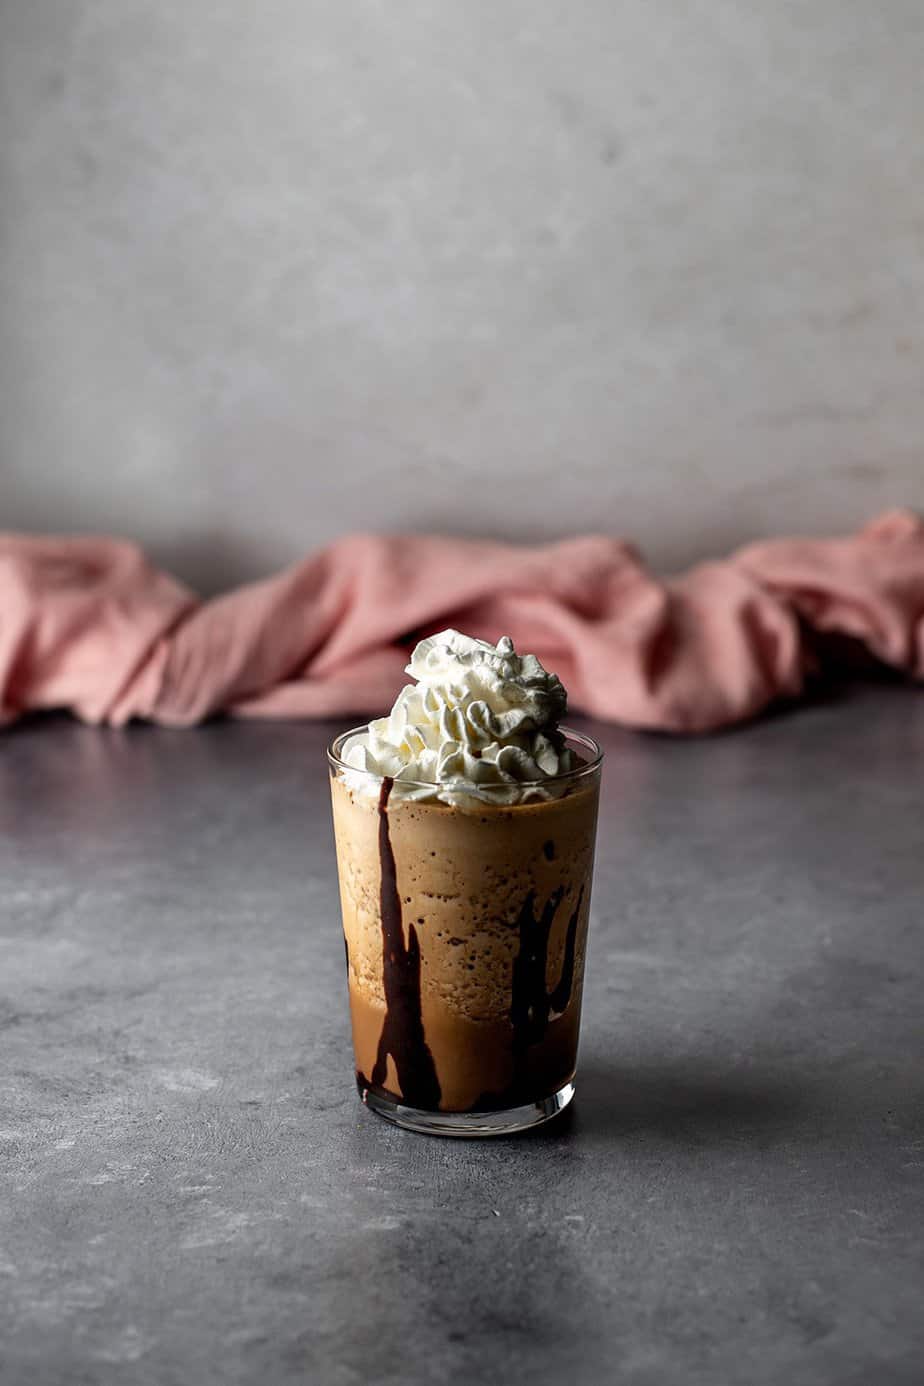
[{"x": 587, "y": 767}]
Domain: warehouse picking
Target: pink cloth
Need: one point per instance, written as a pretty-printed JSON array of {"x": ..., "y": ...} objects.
[{"x": 88, "y": 624}]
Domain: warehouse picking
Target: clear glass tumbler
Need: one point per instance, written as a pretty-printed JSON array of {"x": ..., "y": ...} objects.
[{"x": 466, "y": 932}]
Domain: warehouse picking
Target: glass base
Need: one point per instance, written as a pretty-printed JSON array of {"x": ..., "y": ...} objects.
[{"x": 470, "y": 1124}]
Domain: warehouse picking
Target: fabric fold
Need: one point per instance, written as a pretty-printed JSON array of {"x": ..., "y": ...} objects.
[{"x": 89, "y": 624}]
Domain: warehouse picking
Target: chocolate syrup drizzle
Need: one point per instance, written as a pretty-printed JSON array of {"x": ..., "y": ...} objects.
[
  {"x": 531, "y": 1005},
  {"x": 561, "y": 993},
  {"x": 402, "y": 1032}
]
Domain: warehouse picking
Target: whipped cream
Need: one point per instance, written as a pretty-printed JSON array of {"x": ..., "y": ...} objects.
[{"x": 481, "y": 723}]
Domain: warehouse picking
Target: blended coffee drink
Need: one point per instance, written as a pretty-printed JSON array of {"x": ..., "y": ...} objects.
[{"x": 465, "y": 825}]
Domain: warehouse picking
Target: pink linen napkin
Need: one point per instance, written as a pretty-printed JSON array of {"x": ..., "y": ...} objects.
[{"x": 88, "y": 624}]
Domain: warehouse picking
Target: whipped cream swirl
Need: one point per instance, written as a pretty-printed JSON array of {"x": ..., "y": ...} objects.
[{"x": 481, "y": 723}]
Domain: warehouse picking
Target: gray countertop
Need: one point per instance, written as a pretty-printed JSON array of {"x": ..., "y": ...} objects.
[{"x": 192, "y": 1192}]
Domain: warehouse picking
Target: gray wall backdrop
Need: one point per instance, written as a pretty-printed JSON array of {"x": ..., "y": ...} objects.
[{"x": 275, "y": 271}]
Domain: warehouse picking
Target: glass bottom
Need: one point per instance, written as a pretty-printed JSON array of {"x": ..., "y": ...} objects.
[{"x": 468, "y": 1124}]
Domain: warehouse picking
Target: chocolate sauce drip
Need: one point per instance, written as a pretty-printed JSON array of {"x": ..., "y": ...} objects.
[
  {"x": 346, "y": 949},
  {"x": 402, "y": 1033},
  {"x": 561, "y": 994},
  {"x": 531, "y": 1005}
]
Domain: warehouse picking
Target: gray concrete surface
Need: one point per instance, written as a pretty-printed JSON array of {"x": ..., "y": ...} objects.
[
  {"x": 271, "y": 272},
  {"x": 192, "y": 1193}
]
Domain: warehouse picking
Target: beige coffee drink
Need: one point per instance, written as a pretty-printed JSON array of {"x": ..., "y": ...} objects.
[{"x": 465, "y": 826}]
